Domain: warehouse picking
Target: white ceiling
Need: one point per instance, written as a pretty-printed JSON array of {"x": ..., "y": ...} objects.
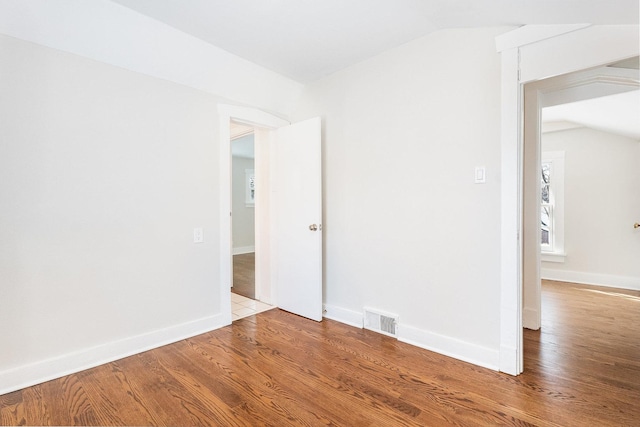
[
  {"x": 308, "y": 39},
  {"x": 618, "y": 114}
]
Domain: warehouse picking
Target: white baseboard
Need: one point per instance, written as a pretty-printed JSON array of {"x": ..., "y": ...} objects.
[
  {"x": 530, "y": 319},
  {"x": 342, "y": 315},
  {"x": 447, "y": 346},
  {"x": 46, "y": 370},
  {"x": 244, "y": 250},
  {"x": 509, "y": 360},
  {"x": 608, "y": 280},
  {"x": 452, "y": 347}
]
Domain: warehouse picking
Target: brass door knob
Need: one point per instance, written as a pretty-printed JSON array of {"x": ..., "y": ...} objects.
[{"x": 636, "y": 225}]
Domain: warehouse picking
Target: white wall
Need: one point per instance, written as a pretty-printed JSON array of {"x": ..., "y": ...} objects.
[
  {"x": 243, "y": 225},
  {"x": 406, "y": 229},
  {"x": 602, "y": 202},
  {"x": 104, "y": 173}
]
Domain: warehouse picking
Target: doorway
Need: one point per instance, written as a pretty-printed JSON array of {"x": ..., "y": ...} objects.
[
  {"x": 243, "y": 209},
  {"x": 529, "y": 54},
  {"x": 601, "y": 167},
  {"x": 288, "y": 211},
  {"x": 245, "y": 295},
  {"x": 579, "y": 89}
]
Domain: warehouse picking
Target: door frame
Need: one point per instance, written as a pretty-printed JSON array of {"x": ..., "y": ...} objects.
[
  {"x": 567, "y": 88},
  {"x": 253, "y": 117},
  {"x": 528, "y": 54}
]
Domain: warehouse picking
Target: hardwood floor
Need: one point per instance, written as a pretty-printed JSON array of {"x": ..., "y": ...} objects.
[
  {"x": 275, "y": 368},
  {"x": 244, "y": 275}
]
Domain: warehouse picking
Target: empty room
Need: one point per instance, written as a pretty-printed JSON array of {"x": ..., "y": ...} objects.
[{"x": 439, "y": 210}]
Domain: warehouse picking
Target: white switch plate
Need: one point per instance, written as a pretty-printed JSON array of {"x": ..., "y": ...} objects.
[
  {"x": 198, "y": 235},
  {"x": 481, "y": 175}
]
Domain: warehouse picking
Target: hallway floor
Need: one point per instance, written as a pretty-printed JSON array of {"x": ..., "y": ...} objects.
[{"x": 242, "y": 306}]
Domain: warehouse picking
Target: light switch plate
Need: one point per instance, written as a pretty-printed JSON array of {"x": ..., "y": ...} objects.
[
  {"x": 198, "y": 235},
  {"x": 481, "y": 175}
]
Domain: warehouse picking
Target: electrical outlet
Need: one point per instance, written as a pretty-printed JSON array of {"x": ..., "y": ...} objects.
[{"x": 198, "y": 235}]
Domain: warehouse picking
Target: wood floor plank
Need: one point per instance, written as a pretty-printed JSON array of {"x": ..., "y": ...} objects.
[
  {"x": 345, "y": 368},
  {"x": 206, "y": 385},
  {"x": 34, "y": 409},
  {"x": 375, "y": 375},
  {"x": 278, "y": 369},
  {"x": 177, "y": 396},
  {"x": 12, "y": 409},
  {"x": 115, "y": 399},
  {"x": 368, "y": 386},
  {"x": 272, "y": 371},
  {"x": 244, "y": 275},
  {"x": 70, "y": 404}
]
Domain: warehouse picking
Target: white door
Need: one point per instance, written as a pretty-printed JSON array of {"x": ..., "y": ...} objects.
[{"x": 297, "y": 218}]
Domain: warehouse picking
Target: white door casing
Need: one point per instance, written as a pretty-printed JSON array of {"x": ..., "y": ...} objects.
[
  {"x": 529, "y": 54},
  {"x": 297, "y": 218},
  {"x": 567, "y": 88},
  {"x": 250, "y": 116},
  {"x": 267, "y": 134}
]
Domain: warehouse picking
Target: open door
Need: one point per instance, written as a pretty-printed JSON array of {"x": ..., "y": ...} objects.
[{"x": 297, "y": 218}]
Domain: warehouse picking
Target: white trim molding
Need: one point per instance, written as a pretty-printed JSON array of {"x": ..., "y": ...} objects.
[
  {"x": 249, "y": 116},
  {"x": 557, "y": 257},
  {"x": 441, "y": 344},
  {"x": 451, "y": 347},
  {"x": 240, "y": 250},
  {"x": 533, "y": 33},
  {"x": 530, "y": 54},
  {"x": 343, "y": 315},
  {"x": 509, "y": 357},
  {"x": 66, "y": 364},
  {"x": 531, "y": 318},
  {"x": 261, "y": 119},
  {"x": 596, "y": 279}
]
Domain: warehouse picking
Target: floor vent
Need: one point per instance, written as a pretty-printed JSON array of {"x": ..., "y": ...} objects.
[{"x": 381, "y": 322}]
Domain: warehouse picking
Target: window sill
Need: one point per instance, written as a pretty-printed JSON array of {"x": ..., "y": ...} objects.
[{"x": 553, "y": 257}]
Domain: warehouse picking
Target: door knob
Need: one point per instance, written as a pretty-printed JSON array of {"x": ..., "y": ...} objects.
[
  {"x": 636, "y": 225},
  {"x": 313, "y": 227}
]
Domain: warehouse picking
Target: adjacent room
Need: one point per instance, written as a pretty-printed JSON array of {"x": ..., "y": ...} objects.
[{"x": 245, "y": 294}]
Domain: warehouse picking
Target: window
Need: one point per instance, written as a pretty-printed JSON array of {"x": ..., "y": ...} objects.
[
  {"x": 250, "y": 188},
  {"x": 552, "y": 206},
  {"x": 546, "y": 206}
]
